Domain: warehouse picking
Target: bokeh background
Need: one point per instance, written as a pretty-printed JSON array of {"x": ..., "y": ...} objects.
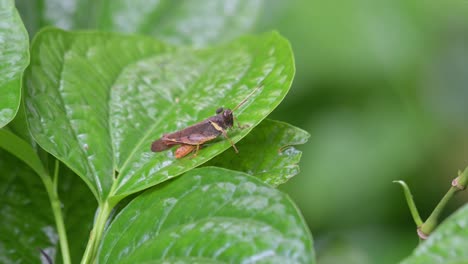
[{"x": 381, "y": 86}]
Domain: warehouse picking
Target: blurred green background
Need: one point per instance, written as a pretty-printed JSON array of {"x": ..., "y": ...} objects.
[{"x": 381, "y": 86}]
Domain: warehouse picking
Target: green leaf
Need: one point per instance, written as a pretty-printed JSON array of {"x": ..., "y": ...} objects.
[
  {"x": 19, "y": 127},
  {"x": 182, "y": 22},
  {"x": 136, "y": 89},
  {"x": 14, "y": 58},
  {"x": 209, "y": 214},
  {"x": 23, "y": 150},
  {"x": 179, "y": 22},
  {"x": 267, "y": 152},
  {"x": 27, "y": 224},
  {"x": 447, "y": 244}
]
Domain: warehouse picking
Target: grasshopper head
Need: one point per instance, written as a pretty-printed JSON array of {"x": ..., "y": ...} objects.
[
  {"x": 224, "y": 117},
  {"x": 228, "y": 118}
]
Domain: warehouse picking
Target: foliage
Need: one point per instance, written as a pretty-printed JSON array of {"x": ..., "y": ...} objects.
[
  {"x": 203, "y": 208},
  {"x": 14, "y": 57},
  {"x": 94, "y": 101},
  {"x": 382, "y": 93}
]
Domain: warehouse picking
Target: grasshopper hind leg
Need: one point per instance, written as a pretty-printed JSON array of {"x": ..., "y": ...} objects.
[{"x": 184, "y": 150}]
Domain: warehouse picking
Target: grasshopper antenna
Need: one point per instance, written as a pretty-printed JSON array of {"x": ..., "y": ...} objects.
[{"x": 247, "y": 97}]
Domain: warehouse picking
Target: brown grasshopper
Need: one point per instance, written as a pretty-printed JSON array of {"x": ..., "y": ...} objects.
[{"x": 193, "y": 137}]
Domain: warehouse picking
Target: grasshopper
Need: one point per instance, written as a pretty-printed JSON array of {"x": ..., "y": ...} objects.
[{"x": 192, "y": 138}]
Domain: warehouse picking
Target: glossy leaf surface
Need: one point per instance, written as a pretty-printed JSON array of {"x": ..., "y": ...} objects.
[
  {"x": 447, "y": 244},
  {"x": 14, "y": 58},
  {"x": 267, "y": 153},
  {"x": 97, "y": 101},
  {"x": 179, "y": 22},
  {"x": 209, "y": 214}
]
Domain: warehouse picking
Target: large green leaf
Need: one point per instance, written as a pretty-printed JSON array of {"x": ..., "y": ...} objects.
[
  {"x": 14, "y": 58},
  {"x": 96, "y": 101},
  {"x": 267, "y": 152},
  {"x": 447, "y": 244},
  {"x": 26, "y": 223},
  {"x": 209, "y": 214},
  {"x": 180, "y": 22}
]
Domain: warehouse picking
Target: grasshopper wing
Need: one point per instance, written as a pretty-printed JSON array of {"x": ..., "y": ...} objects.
[
  {"x": 193, "y": 135},
  {"x": 160, "y": 145}
]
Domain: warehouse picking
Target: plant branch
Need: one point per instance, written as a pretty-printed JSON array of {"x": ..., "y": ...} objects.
[
  {"x": 457, "y": 185},
  {"x": 425, "y": 228},
  {"x": 104, "y": 211}
]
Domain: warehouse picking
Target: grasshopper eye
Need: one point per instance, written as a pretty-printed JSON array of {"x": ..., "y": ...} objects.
[
  {"x": 219, "y": 110},
  {"x": 227, "y": 113}
]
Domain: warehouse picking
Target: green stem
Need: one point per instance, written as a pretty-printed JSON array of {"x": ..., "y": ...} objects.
[
  {"x": 57, "y": 211},
  {"x": 425, "y": 228},
  {"x": 56, "y": 174},
  {"x": 96, "y": 234},
  {"x": 23, "y": 151},
  {"x": 433, "y": 219},
  {"x": 457, "y": 185},
  {"x": 412, "y": 206}
]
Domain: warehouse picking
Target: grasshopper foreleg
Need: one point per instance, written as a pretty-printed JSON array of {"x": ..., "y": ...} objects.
[
  {"x": 220, "y": 129},
  {"x": 239, "y": 125}
]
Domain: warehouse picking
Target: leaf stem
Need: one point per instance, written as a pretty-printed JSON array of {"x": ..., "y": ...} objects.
[
  {"x": 23, "y": 151},
  {"x": 457, "y": 185},
  {"x": 57, "y": 211},
  {"x": 104, "y": 211}
]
